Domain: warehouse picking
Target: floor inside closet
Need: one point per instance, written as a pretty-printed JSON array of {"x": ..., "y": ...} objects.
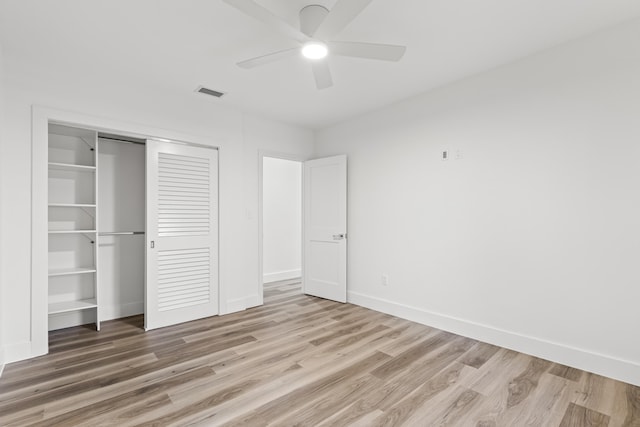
[{"x": 300, "y": 360}]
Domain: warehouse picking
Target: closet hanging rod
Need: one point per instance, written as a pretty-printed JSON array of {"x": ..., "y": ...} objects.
[
  {"x": 122, "y": 139},
  {"x": 119, "y": 233}
]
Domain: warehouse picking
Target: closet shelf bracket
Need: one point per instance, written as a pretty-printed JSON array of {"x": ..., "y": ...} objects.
[
  {"x": 88, "y": 213},
  {"x": 88, "y": 145},
  {"x": 91, "y": 239}
]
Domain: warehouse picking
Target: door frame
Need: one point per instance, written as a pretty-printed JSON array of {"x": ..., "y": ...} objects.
[
  {"x": 40, "y": 118},
  {"x": 283, "y": 156}
]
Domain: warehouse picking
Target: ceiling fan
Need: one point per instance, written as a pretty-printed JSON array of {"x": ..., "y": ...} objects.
[{"x": 318, "y": 27}]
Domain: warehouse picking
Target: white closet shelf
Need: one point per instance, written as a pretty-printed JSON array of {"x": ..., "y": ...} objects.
[
  {"x": 71, "y": 205},
  {"x": 71, "y": 167},
  {"x": 71, "y": 231},
  {"x": 67, "y": 306},
  {"x": 71, "y": 271}
]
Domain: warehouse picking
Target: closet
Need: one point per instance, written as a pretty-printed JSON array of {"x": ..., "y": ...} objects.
[{"x": 132, "y": 229}]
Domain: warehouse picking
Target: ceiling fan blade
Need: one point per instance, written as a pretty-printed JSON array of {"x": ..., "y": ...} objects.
[
  {"x": 254, "y": 10},
  {"x": 270, "y": 57},
  {"x": 383, "y": 52},
  {"x": 343, "y": 12},
  {"x": 322, "y": 74}
]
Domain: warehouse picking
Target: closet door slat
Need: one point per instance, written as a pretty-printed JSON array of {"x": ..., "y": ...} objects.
[{"x": 182, "y": 284}]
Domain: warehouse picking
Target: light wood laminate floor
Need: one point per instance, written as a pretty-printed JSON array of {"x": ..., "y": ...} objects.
[{"x": 300, "y": 360}]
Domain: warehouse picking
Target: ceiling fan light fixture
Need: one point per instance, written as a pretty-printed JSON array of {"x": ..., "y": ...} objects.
[{"x": 315, "y": 50}]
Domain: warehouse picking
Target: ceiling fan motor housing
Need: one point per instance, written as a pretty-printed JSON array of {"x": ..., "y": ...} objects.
[{"x": 311, "y": 17}]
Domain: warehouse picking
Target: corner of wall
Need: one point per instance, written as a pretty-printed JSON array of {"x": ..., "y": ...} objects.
[{"x": 2, "y": 351}]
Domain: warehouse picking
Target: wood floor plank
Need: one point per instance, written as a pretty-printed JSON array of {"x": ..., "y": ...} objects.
[
  {"x": 567, "y": 372},
  {"x": 552, "y": 396},
  {"x": 402, "y": 385},
  {"x": 409, "y": 356},
  {"x": 91, "y": 412},
  {"x": 337, "y": 399},
  {"x": 464, "y": 400},
  {"x": 632, "y": 418},
  {"x": 480, "y": 355},
  {"x": 402, "y": 411},
  {"x": 300, "y": 360},
  {"x": 579, "y": 416},
  {"x": 521, "y": 386},
  {"x": 596, "y": 393},
  {"x": 301, "y": 395}
]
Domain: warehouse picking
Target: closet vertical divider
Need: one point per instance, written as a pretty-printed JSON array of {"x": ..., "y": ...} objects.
[{"x": 96, "y": 246}]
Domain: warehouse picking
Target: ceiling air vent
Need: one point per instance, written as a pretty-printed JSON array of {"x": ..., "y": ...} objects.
[{"x": 211, "y": 92}]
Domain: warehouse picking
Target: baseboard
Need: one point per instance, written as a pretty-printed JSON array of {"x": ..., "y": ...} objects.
[
  {"x": 241, "y": 304},
  {"x": 122, "y": 310},
  {"x": 71, "y": 319},
  {"x": 18, "y": 352},
  {"x": 252, "y": 301},
  {"x": 2, "y": 359},
  {"x": 622, "y": 370},
  {"x": 236, "y": 305},
  {"x": 281, "y": 275}
]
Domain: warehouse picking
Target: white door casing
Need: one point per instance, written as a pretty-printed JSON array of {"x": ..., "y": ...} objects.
[
  {"x": 182, "y": 233},
  {"x": 325, "y": 228}
]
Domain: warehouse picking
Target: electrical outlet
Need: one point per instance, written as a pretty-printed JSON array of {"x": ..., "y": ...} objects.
[{"x": 385, "y": 280}]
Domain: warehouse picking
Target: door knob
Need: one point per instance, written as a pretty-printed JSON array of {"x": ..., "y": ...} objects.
[{"x": 339, "y": 236}]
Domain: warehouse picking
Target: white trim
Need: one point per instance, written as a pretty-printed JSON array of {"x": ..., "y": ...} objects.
[
  {"x": 235, "y": 305},
  {"x": 122, "y": 310},
  {"x": 241, "y": 304},
  {"x": 41, "y": 116},
  {"x": 18, "y": 351},
  {"x": 622, "y": 370},
  {"x": 284, "y": 156},
  {"x": 281, "y": 275},
  {"x": 252, "y": 300}
]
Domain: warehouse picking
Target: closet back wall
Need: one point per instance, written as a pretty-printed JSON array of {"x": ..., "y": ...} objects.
[{"x": 121, "y": 205}]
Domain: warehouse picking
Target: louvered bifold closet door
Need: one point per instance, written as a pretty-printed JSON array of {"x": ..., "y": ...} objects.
[{"x": 182, "y": 233}]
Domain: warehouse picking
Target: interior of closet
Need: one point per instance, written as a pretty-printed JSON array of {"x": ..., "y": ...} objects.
[{"x": 96, "y": 218}]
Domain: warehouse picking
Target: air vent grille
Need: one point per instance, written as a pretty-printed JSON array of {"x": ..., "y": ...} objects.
[{"x": 211, "y": 92}]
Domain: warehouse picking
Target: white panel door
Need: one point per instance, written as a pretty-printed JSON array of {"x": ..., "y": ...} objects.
[
  {"x": 182, "y": 234},
  {"x": 325, "y": 228}
]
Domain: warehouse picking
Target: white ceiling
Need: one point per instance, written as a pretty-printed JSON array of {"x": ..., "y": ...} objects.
[{"x": 177, "y": 45}]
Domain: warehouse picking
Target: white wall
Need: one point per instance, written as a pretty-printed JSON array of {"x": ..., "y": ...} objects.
[
  {"x": 282, "y": 219},
  {"x": 531, "y": 239},
  {"x": 2, "y": 124},
  {"x": 109, "y": 92}
]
